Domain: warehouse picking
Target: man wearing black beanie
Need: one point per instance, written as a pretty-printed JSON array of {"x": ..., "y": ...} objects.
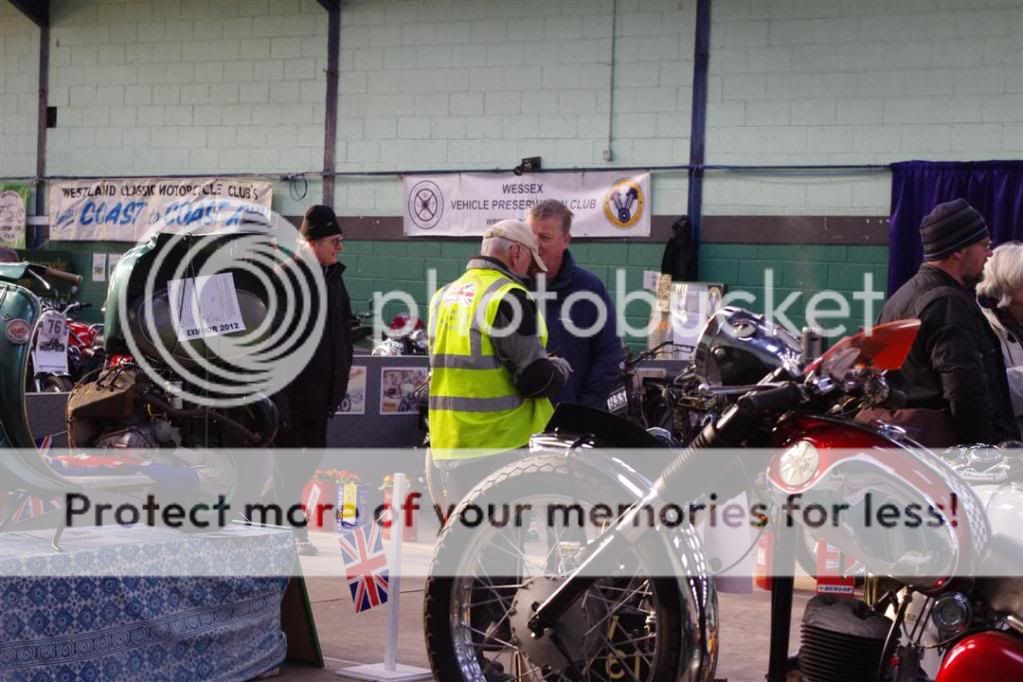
[
  {"x": 313, "y": 396},
  {"x": 955, "y": 367}
]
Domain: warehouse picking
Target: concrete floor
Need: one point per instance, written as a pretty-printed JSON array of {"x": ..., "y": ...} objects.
[{"x": 348, "y": 639}]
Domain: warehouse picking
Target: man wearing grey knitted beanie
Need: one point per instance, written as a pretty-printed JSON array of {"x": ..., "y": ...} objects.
[{"x": 955, "y": 369}]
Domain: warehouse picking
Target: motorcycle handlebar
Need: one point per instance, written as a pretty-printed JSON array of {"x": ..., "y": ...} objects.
[
  {"x": 52, "y": 273},
  {"x": 690, "y": 467},
  {"x": 774, "y": 399}
]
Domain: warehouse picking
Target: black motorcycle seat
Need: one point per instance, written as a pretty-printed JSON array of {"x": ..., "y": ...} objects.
[{"x": 607, "y": 429}]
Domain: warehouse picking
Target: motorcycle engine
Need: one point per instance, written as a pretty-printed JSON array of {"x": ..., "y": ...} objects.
[
  {"x": 842, "y": 639},
  {"x": 111, "y": 412}
]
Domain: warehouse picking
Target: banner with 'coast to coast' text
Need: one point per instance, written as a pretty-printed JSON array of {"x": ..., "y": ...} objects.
[
  {"x": 124, "y": 210},
  {"x": 605, "y": 204}
]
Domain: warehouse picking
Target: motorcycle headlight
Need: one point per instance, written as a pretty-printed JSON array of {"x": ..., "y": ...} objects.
[
  {"x": 18, "y": 332},
  {"x": 799, "y": 463}
]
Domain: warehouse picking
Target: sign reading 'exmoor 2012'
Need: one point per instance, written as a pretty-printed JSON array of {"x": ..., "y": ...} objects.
[
  {"x": 126, "y": 209},
  {"x": 605, "y": 204}
]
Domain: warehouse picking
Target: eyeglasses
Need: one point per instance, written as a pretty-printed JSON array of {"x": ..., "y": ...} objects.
[{"x": 333, "y": 241}]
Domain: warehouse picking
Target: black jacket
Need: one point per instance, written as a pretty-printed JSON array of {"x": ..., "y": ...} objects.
[
  {"x": 321, "y": 385},
  {"x": 956, "y": 361}
]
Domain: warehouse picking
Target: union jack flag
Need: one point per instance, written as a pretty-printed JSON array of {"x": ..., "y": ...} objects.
[
  {"x": 28, "y": 507},
  {"x": 463, "y": 295},
  {"x": 31, "y": 507},
  {"x": 365, "y": 566}
]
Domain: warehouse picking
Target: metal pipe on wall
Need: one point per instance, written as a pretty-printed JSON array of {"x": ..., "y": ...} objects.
[
  {"x": 698, "y": 118},
  {"x": 330, "y": 113},
  {"x": 33, "y": 236}
]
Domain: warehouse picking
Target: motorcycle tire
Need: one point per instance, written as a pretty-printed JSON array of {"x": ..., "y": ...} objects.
[
  {"x": 457, "y": 651},
  {"x": 56, "y": 384}
]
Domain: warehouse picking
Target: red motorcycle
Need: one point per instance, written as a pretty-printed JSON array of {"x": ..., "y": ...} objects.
[
  {"x": 63, "y": 349},
  {"x": 618, "y": 585}
]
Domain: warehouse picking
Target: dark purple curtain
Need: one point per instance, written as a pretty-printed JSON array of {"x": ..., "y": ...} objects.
[{"x": 995, "y": 188}]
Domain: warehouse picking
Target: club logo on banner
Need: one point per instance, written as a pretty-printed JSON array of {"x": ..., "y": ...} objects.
[
  {"x": 605, "y": 204},
  {"x": 12, "y": 215},
  {"x": 126, "y": 209}
]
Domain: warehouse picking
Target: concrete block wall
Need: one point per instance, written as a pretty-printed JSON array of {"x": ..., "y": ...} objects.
[
  {"x": 454, "y": 84},
  {"x": 196, "y": 86},
  {"x": 19, "y": 92},
  {"x": 870, "y": 82},
  {"x": 804, "y": 271},
  {"x": 200, "y": 86},
  {"x": 191, "y": 86}
]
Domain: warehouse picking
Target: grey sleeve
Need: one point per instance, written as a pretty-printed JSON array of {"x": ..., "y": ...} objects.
[{"x": 520, "y": 351}]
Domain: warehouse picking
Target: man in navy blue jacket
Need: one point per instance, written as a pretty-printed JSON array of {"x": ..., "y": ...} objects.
[{"x": 568, "y": 300}]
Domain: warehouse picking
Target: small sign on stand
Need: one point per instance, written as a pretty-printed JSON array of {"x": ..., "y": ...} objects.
[{"x": 390, "y": 670}]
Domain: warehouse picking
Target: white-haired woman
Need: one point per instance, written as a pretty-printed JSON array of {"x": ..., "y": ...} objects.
[{"x": 1000, "y": 294}]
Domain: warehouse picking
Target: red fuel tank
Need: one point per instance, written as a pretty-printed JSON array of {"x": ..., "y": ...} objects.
[{"x": 985, "y": 656}]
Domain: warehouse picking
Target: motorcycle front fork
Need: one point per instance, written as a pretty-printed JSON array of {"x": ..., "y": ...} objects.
[{"x": 618, "y": 540}]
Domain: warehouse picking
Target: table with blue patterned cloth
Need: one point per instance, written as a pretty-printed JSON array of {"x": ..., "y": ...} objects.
[{"x": 112, "y": 605}]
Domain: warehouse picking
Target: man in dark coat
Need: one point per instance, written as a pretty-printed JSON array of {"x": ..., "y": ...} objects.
[
  {"x": 314, "y": 394},
  {"x": 593, "y": 350},
  {"x": 956, "y": 362}
]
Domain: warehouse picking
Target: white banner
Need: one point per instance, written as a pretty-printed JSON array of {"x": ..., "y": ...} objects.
[
  {"x": 123, "y": 210},
  {"x": 605, "y": 204}
]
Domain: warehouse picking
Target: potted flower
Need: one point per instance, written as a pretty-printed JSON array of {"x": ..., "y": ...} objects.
[
  {"x": 318, "y": 498},
  {"x": 352, "y": 499}
]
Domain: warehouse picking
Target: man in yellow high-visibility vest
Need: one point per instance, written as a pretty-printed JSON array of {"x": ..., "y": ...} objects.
[{"x": 491, "y": 376}]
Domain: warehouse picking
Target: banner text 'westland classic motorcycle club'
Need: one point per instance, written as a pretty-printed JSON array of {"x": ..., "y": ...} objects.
[{"x": 126, "y": 209}]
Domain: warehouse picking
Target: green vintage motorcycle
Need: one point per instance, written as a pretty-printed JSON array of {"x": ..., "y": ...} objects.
[
  {"x": 23, "y": 471},
  {"x": 152, "y": 397}
]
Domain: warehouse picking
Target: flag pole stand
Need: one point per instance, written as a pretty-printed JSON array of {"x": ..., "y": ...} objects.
[{"x": 390, "y": 670}]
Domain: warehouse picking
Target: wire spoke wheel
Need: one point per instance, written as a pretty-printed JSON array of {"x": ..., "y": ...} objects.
[{"x": 486, "y": 580}]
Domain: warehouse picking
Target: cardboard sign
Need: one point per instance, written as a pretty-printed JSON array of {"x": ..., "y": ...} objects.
[
  {"x": 205, "y": 306},
  {"x": 50, "y": 351}
]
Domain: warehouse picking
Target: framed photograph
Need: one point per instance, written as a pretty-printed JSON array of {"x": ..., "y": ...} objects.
[
  {"x": 397, "y": 389},
  {"x": 355, "y": 399}
]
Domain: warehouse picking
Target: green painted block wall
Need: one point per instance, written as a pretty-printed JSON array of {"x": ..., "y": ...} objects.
[
  {"x": 402, "y": 265},
  {"x": 801, "y": 269}
]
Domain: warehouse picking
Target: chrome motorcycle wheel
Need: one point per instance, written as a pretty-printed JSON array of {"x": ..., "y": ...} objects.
[{"x": 633, "y": 624}]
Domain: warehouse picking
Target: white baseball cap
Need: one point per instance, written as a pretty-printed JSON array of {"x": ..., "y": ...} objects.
[{"x": 517, "y": 231}]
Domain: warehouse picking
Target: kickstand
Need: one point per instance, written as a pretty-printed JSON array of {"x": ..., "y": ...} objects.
[{"x": 56, "y": 536}]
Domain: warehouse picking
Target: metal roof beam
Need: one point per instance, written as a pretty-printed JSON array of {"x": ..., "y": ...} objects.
[{"x": 38, "y": 11}]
